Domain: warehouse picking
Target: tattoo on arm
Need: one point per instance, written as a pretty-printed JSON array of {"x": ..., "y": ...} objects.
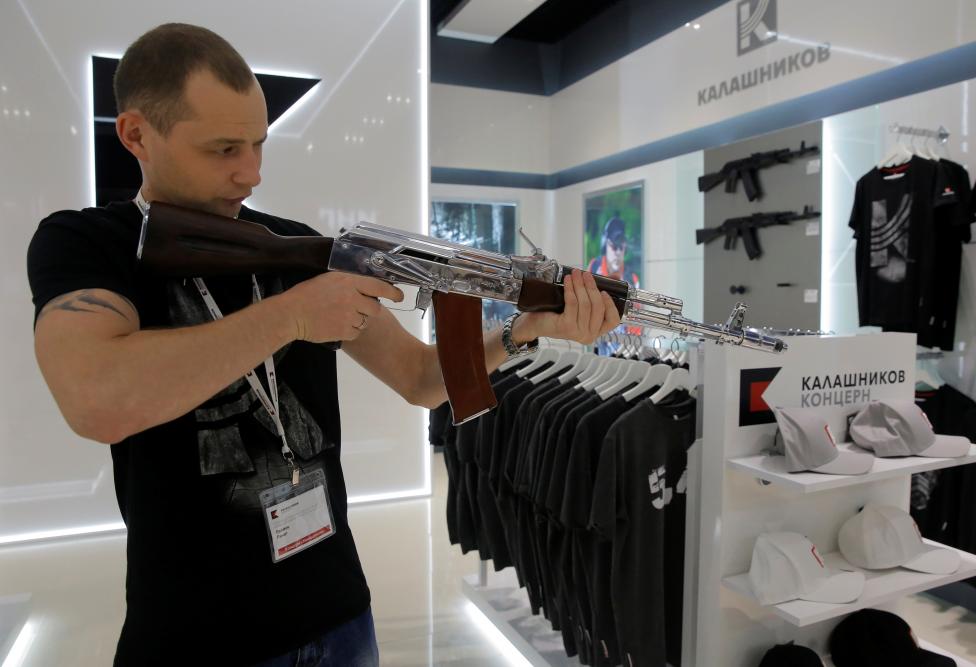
[{"x": 82, "y": 302}]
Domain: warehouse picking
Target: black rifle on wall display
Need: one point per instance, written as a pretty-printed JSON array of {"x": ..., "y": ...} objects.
[
  {"x": 747, "y": 170},
  {"x": 746, "y": 228}
]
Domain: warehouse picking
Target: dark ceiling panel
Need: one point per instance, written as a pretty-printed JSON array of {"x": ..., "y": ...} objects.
[
  {"x": 555, "y": 19},
  {"x": 280, "y": 92},
  {"x": 561, "y": 42}
]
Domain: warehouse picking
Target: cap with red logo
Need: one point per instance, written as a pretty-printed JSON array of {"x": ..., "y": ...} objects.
[
  {"x": 881, "y": 536},
  {"x": 805, "y": 438},
  {"x": 901, "y": 428},
  {"x": 786, "y": 566}
]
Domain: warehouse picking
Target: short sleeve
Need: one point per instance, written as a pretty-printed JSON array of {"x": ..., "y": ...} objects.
[
  {"x": 69, "y": 252},
  {"x": 608, "y": 508},
  {"x": 855, "y": 220}
]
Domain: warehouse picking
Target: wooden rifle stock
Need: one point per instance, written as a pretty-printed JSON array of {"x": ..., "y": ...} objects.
[{"x": 183, "y": 243}]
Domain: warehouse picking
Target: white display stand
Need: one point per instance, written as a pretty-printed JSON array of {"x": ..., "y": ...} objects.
[
  {"x": 742, "y": 495},
  {"x": 734, "y": 493}
]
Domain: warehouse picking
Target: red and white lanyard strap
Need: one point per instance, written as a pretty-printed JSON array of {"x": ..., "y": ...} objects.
[{"x": 270, "y": 403}]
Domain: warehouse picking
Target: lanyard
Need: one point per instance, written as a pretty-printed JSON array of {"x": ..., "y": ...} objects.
[{"x": 270, "y": 403}]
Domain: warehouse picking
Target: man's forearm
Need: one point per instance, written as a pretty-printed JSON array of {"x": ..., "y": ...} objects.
[{"x": 153, "y": 376}]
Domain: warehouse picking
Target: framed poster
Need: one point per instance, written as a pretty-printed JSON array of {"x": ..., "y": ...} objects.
[
  {"x": 613, "y": 232},
  {"x": 613, "y": 239},
  {"x": 483, "y": 225}
]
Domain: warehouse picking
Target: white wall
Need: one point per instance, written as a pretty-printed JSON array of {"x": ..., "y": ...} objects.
[
  {"x": 474, "y": 128},
  {"x": 652, "y": 93},
  {"x": 363, "y": 51}
]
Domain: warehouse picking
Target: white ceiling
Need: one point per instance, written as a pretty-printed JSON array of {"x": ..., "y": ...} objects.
[{"x": 486, "y": 20}]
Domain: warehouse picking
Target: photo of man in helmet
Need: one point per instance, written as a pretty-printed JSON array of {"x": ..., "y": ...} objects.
[{"x": 612, "y": 261}]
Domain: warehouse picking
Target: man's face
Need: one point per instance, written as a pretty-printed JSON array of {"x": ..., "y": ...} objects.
[
  {"x": 616, "y": 249},
  {"x": 212, "y": 160}
]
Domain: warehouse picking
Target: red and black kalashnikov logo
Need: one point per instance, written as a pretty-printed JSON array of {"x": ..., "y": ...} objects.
[{"x": 752, "y": 408}]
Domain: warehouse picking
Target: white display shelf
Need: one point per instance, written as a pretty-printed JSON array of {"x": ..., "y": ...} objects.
[
  {"x": 773, "y": 470},
  {"x": 880, "y": 586}
]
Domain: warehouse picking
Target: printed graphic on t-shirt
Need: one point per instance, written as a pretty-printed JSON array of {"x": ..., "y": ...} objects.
[
  {"x": 661, "y": 493},
  {"x": 227, "y": 422},
  {"x": 889, "y": 239}
]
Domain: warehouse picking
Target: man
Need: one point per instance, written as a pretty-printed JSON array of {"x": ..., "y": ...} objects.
[
  {"x": 162, "y": 371},
  {"x": 614, "y": 253}
]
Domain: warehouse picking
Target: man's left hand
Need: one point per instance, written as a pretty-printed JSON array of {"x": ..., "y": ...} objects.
[{"x": 588, "y": 314}]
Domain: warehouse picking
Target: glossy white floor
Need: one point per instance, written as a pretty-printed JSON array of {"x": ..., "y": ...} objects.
[{"x": 75, "y": 588}]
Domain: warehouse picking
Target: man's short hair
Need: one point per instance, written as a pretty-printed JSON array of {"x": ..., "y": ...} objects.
[{"x": 152, "y": 74}]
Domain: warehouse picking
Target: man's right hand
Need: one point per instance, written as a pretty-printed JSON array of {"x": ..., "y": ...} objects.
[{"x": 331, "y": 306}]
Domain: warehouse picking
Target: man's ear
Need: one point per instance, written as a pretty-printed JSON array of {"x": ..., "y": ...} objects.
[{"x": 132, "y": 129}]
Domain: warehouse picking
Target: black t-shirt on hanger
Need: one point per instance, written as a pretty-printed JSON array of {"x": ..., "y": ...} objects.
[
  {"x": 941, "y": 274},
  {"x": 892, "y": 211},
  {"x": 639, "y": 505}
]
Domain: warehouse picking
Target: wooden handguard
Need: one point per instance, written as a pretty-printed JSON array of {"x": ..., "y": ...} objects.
[
  {"x": 461, "y": 351},
  {"x": 541, "y": 296}
]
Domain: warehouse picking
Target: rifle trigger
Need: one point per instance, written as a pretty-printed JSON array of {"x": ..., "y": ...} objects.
[{"x": 424, "y": 296}]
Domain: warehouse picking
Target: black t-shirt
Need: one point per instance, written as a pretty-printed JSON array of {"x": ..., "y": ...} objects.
[
  {"x": 638, "y": 504},
  {"x": 950, "y": 517},
  {"x": 940, "y": 276},
  {"x": 437, "y": 424},
  {"x": 200, "y": 572},
  {"x": 892, "y": 213}
]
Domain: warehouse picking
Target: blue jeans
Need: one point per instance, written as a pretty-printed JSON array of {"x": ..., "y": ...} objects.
[{"x": 352, "y": 644}]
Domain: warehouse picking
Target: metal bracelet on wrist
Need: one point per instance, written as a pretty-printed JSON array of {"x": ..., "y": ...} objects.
[{"x": 511, "y": 348}]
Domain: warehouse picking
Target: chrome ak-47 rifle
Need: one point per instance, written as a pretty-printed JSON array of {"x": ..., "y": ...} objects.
[{"x": 181, "y": 243}]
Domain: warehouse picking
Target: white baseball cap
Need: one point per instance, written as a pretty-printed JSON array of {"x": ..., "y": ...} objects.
[
  {"x": 901, "y": 428},
  {"x": 786, "y": 566},
  {"x": 805, "y": 438},
  {"x": 881, "y": 536}
]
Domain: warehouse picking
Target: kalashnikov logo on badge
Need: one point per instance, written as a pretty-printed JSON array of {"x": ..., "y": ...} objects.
[{"x": 757, "y": 24}]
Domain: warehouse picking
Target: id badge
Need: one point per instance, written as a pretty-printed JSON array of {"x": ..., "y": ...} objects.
[{"x": 297, "y": 516}]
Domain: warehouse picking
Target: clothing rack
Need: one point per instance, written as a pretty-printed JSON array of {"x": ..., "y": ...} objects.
[
  {"x": 923, "y": 355},
  {"x": 492, "y": 595},
  {"x": 796, "y": 332},
  {"x": 941, "y": 134}
]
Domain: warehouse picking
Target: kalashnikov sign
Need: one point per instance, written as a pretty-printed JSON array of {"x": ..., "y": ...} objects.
[{"x": 757, "y": 27}]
